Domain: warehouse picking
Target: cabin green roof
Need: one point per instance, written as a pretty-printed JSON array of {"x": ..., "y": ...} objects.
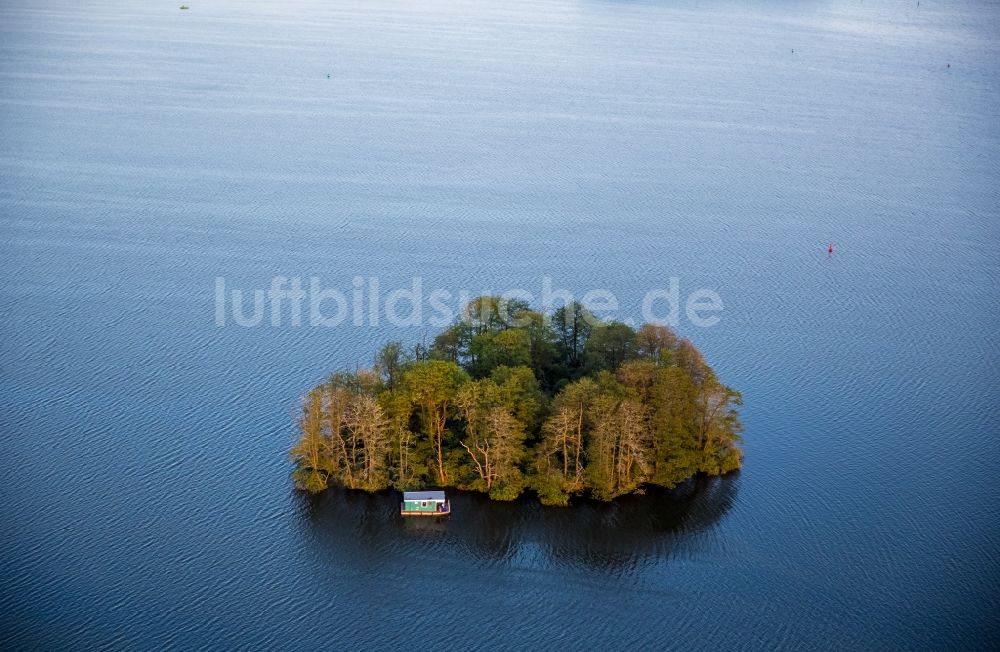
[{"x": 423, "y": 495}]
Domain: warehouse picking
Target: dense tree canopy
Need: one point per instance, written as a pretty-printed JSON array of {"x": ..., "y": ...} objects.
[{"x": 508, "y": 399}]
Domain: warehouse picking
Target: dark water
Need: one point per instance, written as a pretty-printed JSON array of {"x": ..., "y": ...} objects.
[{"x": 144, "y": 151}]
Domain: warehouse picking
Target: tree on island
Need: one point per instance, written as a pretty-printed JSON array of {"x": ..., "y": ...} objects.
[{"x": 507, "y": 399}]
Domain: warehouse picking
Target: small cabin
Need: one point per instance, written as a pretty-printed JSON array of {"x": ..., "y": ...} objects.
[{"x": 424, "y": 503}]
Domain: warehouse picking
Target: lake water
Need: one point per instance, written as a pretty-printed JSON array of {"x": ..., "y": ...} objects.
[{"x": 145, "y": 151}]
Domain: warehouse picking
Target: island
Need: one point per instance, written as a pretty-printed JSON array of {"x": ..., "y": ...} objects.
[{"x": 509, "y": 399}]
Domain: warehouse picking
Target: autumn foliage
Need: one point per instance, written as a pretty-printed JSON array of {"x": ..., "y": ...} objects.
[{"x": 509, "y": 399}]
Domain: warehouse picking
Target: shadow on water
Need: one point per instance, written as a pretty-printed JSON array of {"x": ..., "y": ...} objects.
[{"x": 366, "y": 529}]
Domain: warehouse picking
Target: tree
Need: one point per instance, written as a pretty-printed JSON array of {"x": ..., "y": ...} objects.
[
  {"x": 608, "y": 346},
  {"x": 639, "y": 376},
  {"x": 601, "y": 447},
  {"x": 338, "y": 394},
  {"x": 544, "y": 354},
  {"x": 311, "y": 454},
  {"x": 494, "y": 438},
  {"x": 405, "y": 470},
  {"x": 690, "y": 360},
  {"x": 656, "y": 343},
  {"x": 632, "y": 460},
  {"x": 488, "y": 350},
  {"x": 560, "y": 457},
  {"x": 492, "y": 314},
  {"x": 572, "y": 324},
  {"x": 619, "y": 442},
  {"x": 503, "y": 448},
  {"x": 368, "y": 425},
  {"x": 432, "y": 386},
  {"x": 676, "y": 451},
  {"x": 389, "y": 362},
  {"x": 521, "y": 394},
  {"x": 451, "y": 344},
  {"x": 719, "y": 426}
]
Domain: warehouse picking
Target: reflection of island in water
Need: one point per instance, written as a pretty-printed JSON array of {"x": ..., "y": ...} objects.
[{"x": 367, "y": 529}]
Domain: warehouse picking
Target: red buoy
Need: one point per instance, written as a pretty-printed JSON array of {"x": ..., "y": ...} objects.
[{"x": 830, "y": 250}]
